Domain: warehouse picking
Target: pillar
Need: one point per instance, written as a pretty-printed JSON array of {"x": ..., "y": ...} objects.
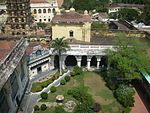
[
  {"x": 52, "y": 62},
  {"x": 7, "y": 92},
  {"x": 98, "y": 61},
  {"x": 63, "y": 58},
  {"x": 78, "y": 60},
  {"x": 20, "y": 85},
  {"x": 89, "y": 62}
]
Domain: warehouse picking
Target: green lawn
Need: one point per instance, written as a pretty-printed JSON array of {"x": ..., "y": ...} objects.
[{"x": 96, "y": 87}]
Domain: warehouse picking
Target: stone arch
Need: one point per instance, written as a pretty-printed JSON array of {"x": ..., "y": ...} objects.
[
  {"x": 103, "y": 62},
  {"x": 56, "y": 61},
  {"x": 54, "y": 10},
  {"x": 39, "y": 11},
  {"x": 71, "y": 60},
  {"x": 84, "y": 61},
  {"x": 44, "y": 10},
  {"x": 49, "y": 10},
  {"x": 93, "y": 61},
  {"x": 35, "y": 11}
]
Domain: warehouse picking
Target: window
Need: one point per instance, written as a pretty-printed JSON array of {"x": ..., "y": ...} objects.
[
  {"x": 53, "y": 10},
  {"x": 44, "y": 19},
  {"x": 40, "y": 20},
  {"x": 49, "y": 20},
  {"x": 44, "y": 10},
  {"x": 71, "y": 33},
  {"x": 39, "y": 11},
  {"x": 35, "y": 11},
  {"x": 49, "y": 10}
]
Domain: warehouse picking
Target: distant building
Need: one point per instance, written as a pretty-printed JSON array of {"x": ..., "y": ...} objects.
[
  {"x": 13, "y": 74},
  {"x": 74, "y": 25},
  {"x": 103, "y": 17},
  {"x": 116, "y": 7},
  {"x": 44, "y": 10}
]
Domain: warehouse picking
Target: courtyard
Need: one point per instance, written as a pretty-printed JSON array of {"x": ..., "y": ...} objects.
[{"x": 95, "y": 86}]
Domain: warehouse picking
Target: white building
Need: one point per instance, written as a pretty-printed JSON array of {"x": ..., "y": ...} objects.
[{"x": 43, "y": 10}]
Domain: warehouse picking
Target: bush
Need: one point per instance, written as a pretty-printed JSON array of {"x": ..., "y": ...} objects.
[
  {"x": 77, "y": 70},
  {"x": 72, "y": 73},
  {"x": 43, "y": 107},
  {"x": 96, "y": 107},
  {"x": 67, "y": 78},
  {"x": 36, "y": 108},
  {"x": 124, "y": 95},
  {"x": 127, "y": 110},
  {"x": 111, "y": 85},
  {"x": 59, "y": 109},
  {"x": 44, "y": 95},
  {"x": 63, "y": 82},
  {"x": 53, "y": 89},
  {"x": 42, "y": 25},
  {"x": 46, "y": 83}
]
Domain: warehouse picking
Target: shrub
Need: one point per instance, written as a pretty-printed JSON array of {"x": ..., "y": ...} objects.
[
  {"x": 43, "y": 107},
  {"x": 72, "y": 73},
  {"x": 63, "y": 82},
  {"x": 53, "y": 89},
  {"x": 124, "y": 95},
  {"x": 127, "y": 110},
  {"x": 67, "y": 78},
  {"x": 36, "y": 108},
  {"x": 59, "y": 109},
  {"x": 46, "y": 83},
  {"x": 111, "y": 85},
  {"x": 77, "y": 70},
  {"x": 96, "y": 107},
  {"x": 44, "y": 95}
]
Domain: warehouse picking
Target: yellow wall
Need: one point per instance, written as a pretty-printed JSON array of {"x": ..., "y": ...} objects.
[{"x": 81, "y": 31}]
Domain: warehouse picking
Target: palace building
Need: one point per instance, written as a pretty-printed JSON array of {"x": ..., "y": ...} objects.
[
  {"x": 13, "y": 74},
  {"x": 74, "y": 25}
]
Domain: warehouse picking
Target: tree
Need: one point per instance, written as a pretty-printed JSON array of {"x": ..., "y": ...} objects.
[
  {"x": 146, "y": 14},
  {"x": 128, "y": 14},
  {"x": 128, "y": 59},
  {"x": 60, "y": 45}
]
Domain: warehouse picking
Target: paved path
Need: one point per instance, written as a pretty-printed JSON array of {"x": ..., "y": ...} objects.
[
  {"x": 29, "y": 101},
  {"x": 139, "y": 106}
]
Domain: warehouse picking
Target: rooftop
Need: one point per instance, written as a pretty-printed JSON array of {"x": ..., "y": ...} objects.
[
  {"x": 60, "y": 2},
  {"x": 6, "y": 47},
  {"x": 71, "y": 17}
]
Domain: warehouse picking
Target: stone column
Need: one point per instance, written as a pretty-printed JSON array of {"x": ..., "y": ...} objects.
[
  {"x": 7, "y": 92},
  {"x": 78, "y": 60},
  {"x": 98, "y": 61},
  {"x": 63, "y": 58},
  {"x": 89, "y": 62},
  {"x": 52, "y": 62},
  {"x": 20, "y": 85}
]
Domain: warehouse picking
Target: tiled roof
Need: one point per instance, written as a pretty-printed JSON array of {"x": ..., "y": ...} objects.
[
  {"x": 71, "y": 17},
  {"x": 6, "y": 47}
]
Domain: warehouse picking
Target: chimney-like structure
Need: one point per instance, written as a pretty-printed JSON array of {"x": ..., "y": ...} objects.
[{"x": 19, "y": 19}]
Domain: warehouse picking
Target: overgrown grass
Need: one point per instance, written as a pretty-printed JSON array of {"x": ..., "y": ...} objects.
[{"x": 38, "y": 86}]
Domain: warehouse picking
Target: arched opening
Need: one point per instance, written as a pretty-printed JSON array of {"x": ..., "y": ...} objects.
[
  {"x": 35, "y": 11},
  {"x": 84, "y": 61},
  {"x": 18, "y": 33},
  {"x": 103, "y": 62},
  {"x": 39, "y": 11},
  {"x": 70, "y": 61},
  {"x": 38, "y": 52},
  {"x": 71, "y": 33},
  {"x": 49, "y": 10},
  {"x": 44, "y": 10},
  {"x": 56, "y": 61},
  {"x": 54, "y": 10},
  {"x": 94, "y": 61}
]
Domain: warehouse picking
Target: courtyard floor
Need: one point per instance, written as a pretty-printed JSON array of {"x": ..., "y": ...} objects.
[{"x": 95, "y": 86}]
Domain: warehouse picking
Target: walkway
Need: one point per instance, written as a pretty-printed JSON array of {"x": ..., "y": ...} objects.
[
  {"x": 139, "y": 106},
  {"x": 29, "y": 101}
]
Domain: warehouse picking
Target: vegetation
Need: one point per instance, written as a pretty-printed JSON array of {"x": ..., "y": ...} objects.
[
  {"x": 128, "y": 59},
  {"x": 100, "y": 25},
  {"x": 38, "y": 86},
  {"x": 44, "y": 95},
  {"x": 60, "y": 45},
  {"x": 42, "y": 25},
  {"x": 59, "y": 109},
  {"x": 63, "y": 82},
  {"x": 36, "y": 108},
  {"x": 67, "y": 78},
  {"x": 77, "y": 70},
  {"x": 146, "y": 15},
  {"x": 124, "y": 95},
  {"x": 2, "y": 1},
  {"x": 53, "y": 89},
  {"x": 132, "y": 1},
  {"x": 43, "y": 107}
]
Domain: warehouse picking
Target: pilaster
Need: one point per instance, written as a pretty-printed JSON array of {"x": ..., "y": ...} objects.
[
  {"x": 79, "y": 58},
  {"x": 89, "y": 62}
]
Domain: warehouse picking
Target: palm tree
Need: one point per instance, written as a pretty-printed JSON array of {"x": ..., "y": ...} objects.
[{"x": 60, "y": 45}]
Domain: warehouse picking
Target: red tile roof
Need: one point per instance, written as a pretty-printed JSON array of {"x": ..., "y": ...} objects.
[
  {"x": 71, "y": 17},
  {"x": 6, "y": 47}
]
